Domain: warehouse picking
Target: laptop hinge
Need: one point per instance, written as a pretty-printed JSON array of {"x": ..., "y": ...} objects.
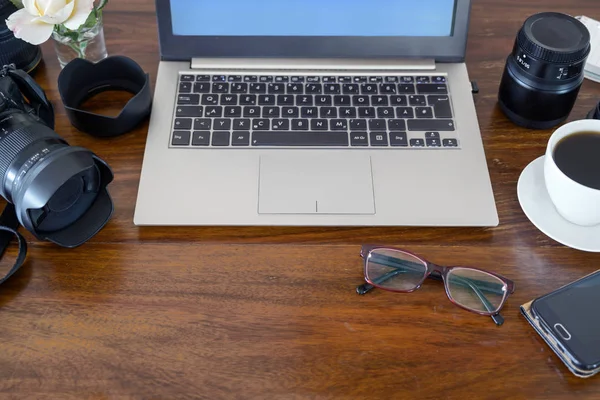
[{"x": 327, "y": 64}]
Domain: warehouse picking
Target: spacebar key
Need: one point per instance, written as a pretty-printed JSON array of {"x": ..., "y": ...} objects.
[
  {"x": 280, "y": 138},
  {"x": 430, "y": 125}
]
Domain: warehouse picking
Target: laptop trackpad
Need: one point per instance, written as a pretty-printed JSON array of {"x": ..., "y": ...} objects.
[{"x": 316, "y": 184}]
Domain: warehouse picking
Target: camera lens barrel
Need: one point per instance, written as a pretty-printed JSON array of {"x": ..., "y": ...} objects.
[{"x": 544, "y": 72}]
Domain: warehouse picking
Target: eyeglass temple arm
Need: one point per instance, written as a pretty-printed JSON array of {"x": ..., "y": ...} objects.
[{"x": 465, "y": 282}]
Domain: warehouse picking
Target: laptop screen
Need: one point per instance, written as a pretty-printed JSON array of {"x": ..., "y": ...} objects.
[{"x": 422, "y": 18}]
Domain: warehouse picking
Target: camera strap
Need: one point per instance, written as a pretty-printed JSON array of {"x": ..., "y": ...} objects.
[{"x": 8, "y": 230}]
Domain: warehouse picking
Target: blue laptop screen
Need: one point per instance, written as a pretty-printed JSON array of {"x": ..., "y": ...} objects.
[{"x": 312, "y": 17}]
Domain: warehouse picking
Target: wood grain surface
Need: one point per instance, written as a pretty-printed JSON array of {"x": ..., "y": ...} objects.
[{"x": 271, "y": 312}]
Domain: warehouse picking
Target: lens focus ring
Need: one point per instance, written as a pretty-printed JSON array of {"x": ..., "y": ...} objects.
[{"x": 14, "y": 142}]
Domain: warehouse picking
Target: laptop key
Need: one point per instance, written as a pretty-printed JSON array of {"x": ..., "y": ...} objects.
[
  {"x": 261, "y": 124},
  {"x": 202, "y": 124},
  {"x": 180, "y": 138},
  {"x": 299, "y": 138},
  {"x": 233, "y": 111},
  {"x": 248, "y": 100},
  {"x": 323, "y": 100},
  {"x": 433, "y": 142},
  {"x": 241, "y": 124},
  {"x": 239, "y": 88},
  {"x": 297, "y": 79},
  {"x": 329, "y": 79},
  {"x": 385, "y": 112},
  {"x": 183, "y": 123},
  {"x": 360, "y": 79},
  {"x": 416, "y": 100},
  {"x": 348, "y": 112},
  {"x": 387, "y": 89},
  {"x": 398, "y": 139},
  {"x": 430, "y": 125},
  {"x": 396, "y": 125},
  {"x": 359, "y": 139},
  {"x": 202, "y": 78},
  {"x": 422, "y": 79},
  {"x": 450, "y": 143},
  {"x": 332, "y": 88},
  {"x": 234, "y": 78},
  {"x": 358, "y": 124},
  {"x": 313, "y": 88},
  {"x": 285, "y": 100},
  {"x": 280, "y": 124},
  {"x": 186, "y": 78},
  {"x": 399, "y": 100},
  {"x": 188, "y": 99},
  {"x": 313, "y": 79},
  {"x": 250, "y": 78},
  {"x": 319, "y": 125},
  {"x": 328, "y": 112},
  {"x": 251, "y": 112},
  {"x": 266, "y": 100},
  {"x": 213, "y": 111},
  {"x": 368, "y": 88},
  {"x": 350, "y": 88},
  {"x": 240, "y": 138},
  {"x": 379, "y": 139},
  {"x": 290, "y": 112},
  {"x": 219, "y": 78},
  {"x": 258, "y": 88},
  {"x": 229, "y": 99},
  {"x": 438, "y": 79},
  {"x": 265, "y": 78},
  {"x": 366, "y": 112},
  {"x": 201, "y": 87},
  {"x": 270, "y": 112},
  {"x": 282, "y": 79},
  {"x": 432, "y": 135},
  {"x": 424, "y": 112},
  {"x": 222, "y": 124},
  {"x": 304, "y": 100},
  {"x": 300, "y": 124},
  {"x": 379, "y": 100},
  {"x": 437, "y": 88},
  {"x": 339, "y": 125},
  {"x": 341, "y": 101},
  {"x": 185, "y": 87},
  {"x": 407, "y": 79},
  {"x": 391, "y": 79},
  {"x": 441, "y": 106},
  {"x": 220, "y": 138},
  {"x": 295, "y": 88},
  {"x": 276, "y": 88},
  {"x": 309, "y": 112},
  {"x": 200, "y": 138},
  {"x": 188, "y": 111},
  {"x": 377, "y": 125},
  {"x": 220, "y": 87},
  {"x": 208, "y": 99},
  {"x": 361, "y": 101},
  {"x": 417, "y": 143},
  {"x": 406, "y": 88},
  {"x": 405, "y": 112}
]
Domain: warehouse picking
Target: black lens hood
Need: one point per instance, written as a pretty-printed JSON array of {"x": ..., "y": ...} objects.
[{"x": 81, "y": 79}]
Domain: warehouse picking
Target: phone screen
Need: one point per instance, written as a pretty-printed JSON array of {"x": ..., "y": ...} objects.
[{"x": 572, "y": 314}]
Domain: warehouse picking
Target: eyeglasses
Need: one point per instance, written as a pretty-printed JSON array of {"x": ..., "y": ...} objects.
[{"x": 473, "y": 289}]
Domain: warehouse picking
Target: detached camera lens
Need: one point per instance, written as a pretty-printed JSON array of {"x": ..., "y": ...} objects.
[{"x": 544, "y": 73}]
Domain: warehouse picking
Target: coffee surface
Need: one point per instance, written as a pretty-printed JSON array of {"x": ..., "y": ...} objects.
[{"x": 578, "y": 157}]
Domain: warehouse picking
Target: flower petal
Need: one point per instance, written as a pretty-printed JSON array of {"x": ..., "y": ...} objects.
[
  {"x": 31, "y": 7},
  {"x": 59, "y": 17},
  {"x": 80, "y": 14},
  {"x": 28, "y": 27},
  {"x": 51, "y": 7}
]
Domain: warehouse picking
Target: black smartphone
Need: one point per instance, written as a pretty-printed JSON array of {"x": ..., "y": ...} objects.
[{"x": 571, "y": 316}]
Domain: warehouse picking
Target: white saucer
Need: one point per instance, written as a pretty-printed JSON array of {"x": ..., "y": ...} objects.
[{"x": 538, "y": 207}]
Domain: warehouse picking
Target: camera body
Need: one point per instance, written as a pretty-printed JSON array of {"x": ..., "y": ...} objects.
[{"x": 59, "y": 191}]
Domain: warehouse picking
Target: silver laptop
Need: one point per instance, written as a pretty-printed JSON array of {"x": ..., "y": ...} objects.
[{"x": 314, "y": 112}]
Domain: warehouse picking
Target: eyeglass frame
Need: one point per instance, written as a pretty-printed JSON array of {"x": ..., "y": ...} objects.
[{"x": 443, "y": 272}]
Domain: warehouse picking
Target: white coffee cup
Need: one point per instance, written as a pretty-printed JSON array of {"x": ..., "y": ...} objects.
[{"x": 576, "y": 203}]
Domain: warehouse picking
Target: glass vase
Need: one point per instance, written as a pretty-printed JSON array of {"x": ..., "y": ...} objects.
[{"x": 87, "y": 42}]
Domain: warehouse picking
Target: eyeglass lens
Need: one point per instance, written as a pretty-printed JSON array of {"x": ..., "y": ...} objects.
[{"x": 473, "y": 289}]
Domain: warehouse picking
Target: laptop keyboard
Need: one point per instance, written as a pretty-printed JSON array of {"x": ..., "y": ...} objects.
[{"x": 252, "y": 111}]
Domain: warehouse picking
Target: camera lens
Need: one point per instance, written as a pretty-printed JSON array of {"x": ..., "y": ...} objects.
[
  {"x": 59, "y": 191},
  {"x": 544, "y": 73}
]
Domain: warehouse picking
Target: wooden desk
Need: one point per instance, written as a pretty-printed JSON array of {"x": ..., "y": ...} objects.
[{"x": 271, "y": 313}]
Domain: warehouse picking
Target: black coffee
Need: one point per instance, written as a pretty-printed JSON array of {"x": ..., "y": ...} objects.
[{"x": 578, "y": 157}]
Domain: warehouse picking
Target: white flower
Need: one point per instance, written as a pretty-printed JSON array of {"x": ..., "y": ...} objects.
[{"x": 35, "y": 22}]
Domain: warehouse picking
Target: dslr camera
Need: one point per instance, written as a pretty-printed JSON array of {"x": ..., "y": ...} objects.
[{"x": 58, "y": 191}]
